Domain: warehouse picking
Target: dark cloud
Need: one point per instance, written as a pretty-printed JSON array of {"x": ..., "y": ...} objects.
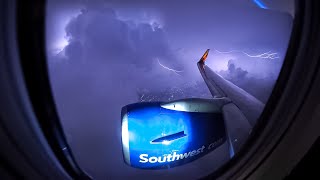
[
  {"x": 234, "y": 72},
  {"x": 105, "y": 38}
]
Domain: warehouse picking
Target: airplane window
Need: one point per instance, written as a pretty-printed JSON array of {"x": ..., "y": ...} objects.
[{"x": 136, "y": 88}]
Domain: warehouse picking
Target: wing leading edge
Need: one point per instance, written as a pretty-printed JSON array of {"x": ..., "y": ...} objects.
[{"x": 220, "y": 87}]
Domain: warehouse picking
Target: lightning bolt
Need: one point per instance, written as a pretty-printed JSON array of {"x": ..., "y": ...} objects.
[
  {"x": 169, "y": 69},
  {"x": 266, "y": 55}
]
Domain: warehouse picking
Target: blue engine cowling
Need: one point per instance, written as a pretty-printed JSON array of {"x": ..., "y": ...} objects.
[{"x": 155, "y": 136}]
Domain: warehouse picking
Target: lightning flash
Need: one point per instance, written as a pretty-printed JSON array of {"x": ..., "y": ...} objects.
[
  {"x": 169, "y": 69},
  {"x": 266, "y": 55}
]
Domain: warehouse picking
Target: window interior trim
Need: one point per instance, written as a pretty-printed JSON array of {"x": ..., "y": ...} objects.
[{"x": 30, "y": 20}]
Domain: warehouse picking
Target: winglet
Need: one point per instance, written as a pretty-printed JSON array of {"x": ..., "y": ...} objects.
[{"x": 204, "y": 57}]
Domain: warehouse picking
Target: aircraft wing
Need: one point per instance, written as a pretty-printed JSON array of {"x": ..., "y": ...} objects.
[{"x": 220, "y": 87}]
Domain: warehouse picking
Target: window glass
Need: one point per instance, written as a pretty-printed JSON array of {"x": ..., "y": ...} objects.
[{"x": 105, "y": 55}]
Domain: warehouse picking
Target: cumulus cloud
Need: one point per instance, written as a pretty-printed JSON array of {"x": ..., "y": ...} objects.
[
  {"x": 235, "y": 72},
  {"x": 108, "y": 39},
  {"x": 99, "y": 41}
]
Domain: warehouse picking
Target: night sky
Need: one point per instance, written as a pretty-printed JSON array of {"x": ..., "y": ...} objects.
[{"x": 103, "y": 55}]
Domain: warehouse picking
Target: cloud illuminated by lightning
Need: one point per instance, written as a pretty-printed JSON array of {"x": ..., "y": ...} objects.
[
  {"x": 266, "y": 55},
  {"x": 167, "y": 68}
]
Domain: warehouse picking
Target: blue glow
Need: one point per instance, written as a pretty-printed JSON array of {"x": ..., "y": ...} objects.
[{"x": 260, "y": 4}]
